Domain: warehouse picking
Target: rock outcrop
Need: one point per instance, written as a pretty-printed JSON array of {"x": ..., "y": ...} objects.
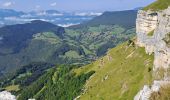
[
  {"x": 157, "y": 22},
  {"x": 160, "y": 23},
  {"x": 7, "y": 96}
]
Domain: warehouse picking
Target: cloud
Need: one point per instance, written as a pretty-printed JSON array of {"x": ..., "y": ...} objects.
[
  {"x": 26, "y": 16},
  {"x": 2, "y": 23},
  {"x": 37, "y": 6},
  {"x": 1, "y": 38},
  {"x": 88, "y": 14},
  {"x": 7, "y": 4},
  {"x": 13, "y": 18},
  {"x": 68, "y": 24},
  {"x": 53, "y": 4},
  {"x": 56, "y": 14}
]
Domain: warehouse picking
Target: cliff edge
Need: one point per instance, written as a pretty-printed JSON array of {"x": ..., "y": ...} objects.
[{"x": 153, "y": 33}]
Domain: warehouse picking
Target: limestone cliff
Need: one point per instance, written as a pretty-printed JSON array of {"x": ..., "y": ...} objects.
[{"x": 157, "y": 23}]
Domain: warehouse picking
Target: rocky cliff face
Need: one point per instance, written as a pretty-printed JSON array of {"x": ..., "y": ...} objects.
[
  {"x": 160, "y": 23},
  {"x": 157, "y": 22},
  {"x": 7, "y": 96}
]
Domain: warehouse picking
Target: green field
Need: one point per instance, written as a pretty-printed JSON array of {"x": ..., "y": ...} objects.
[{"x": 151, "y": 33}]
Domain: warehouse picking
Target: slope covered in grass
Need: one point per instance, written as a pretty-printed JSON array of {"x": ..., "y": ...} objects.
[
  {"x": 158, "y": 5},
  {"x": 119, "y": 75}
]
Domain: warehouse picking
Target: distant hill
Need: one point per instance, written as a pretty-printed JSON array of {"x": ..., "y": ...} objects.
[
  {"x": 17, "y": 36},
  {"x": 121, "y": 18},
  {"x": 10, "y": 12},
  {"x": 105, "y": 31},
  {"x": 37, "y": 41},
  {"x": 40, "y": 41}
]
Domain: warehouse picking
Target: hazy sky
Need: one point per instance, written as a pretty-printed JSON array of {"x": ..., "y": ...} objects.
[{"x": 73, "y": 5}]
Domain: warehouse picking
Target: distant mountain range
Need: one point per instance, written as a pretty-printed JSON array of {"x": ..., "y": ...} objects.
[
  {"x": 30, "y": 49},
  {"x": 10, "y": 17},
  {"x": 42, "y": 41},
  {"x": 112, "y": 18}
]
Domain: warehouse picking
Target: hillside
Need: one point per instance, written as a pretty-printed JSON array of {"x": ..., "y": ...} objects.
[
  {"x": 17, "y": 36},
  {"x": 120, "y": 75},
  {"x": 100, "y": 38},
  {"x": 105, "y": 31},
  {"x": 59, "y": 82},
  {"x": 37, "y": 41},
  {"x": 158, "y": 5},
  {"x": 17, "y": 45}
]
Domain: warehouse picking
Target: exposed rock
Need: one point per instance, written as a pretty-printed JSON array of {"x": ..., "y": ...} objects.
[
  {"x": 146, "y": 92},
  {"x": 101, "y": 63},
  {"x": 159, "y": 21},
  {"x": 146, "y": 22},
  {"x": 143, "y": 94},
  {"x": 4, "y": 95},
  {"x": 109, "y": 57}
]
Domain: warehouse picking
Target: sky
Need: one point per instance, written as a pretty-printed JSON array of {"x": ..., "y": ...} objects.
[{"x": 73, "y": 5}]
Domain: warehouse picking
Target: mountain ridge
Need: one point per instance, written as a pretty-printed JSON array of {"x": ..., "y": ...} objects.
[{"x": 112, "y": 18}]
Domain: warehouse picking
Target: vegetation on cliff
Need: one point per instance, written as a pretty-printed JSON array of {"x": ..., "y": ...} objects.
[
  {"x": 151, "y": 33},
  {"x": 167, "y": 39},
  {"x": 163, "y": 93},
  {"x": 158, "y": 5}
]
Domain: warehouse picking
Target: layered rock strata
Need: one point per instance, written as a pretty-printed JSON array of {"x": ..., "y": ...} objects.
[{"x": 157, "y": 22}]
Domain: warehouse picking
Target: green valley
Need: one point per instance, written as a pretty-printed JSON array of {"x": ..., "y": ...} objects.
[
  {"x": 118, "y": 75},
  {"x": 40, "y": 41}
]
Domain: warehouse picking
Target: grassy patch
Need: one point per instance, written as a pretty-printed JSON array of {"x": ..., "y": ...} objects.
[
  {"x": 158, "y": 5},
  {"x": 12, "y": 88},
  {"x": 24, "y": 75},
  {"x": 119, "y": 75},
  {"x": 72, "y": 54},
  {"x": 151, "y": 33},
  {"x": 47, "y": 36}
]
